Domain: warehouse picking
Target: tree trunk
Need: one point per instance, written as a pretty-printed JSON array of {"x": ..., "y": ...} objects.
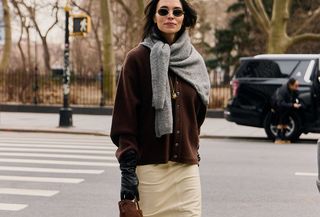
[
  {"x": 29, "y": 49},
  {"x": 140, "y": 8},
  {"x": 276, "y": 29},
  {"x": 23, "y": 56},
  {"x": 108, "y": 53},
  {"x": 7, "y": 44},
  {"x": 139, "y": 23},
  {"x": 278, "y": 38},
  {"x": 46, "y": 54}
]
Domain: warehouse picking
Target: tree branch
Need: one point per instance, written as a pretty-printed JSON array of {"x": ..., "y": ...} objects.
[
  {"x": 305, "y": 37},
  {"x": 262, "y": 11},
  {"x": 125, "y": 7},
  {"x": 22, "y": 26},
  {"x": 256, "y": 16},
  {"x": 56, "y": 19},
  {"x": 81, "y": 8},
  {"x": 315, "y": 15},
  {"x": 32, "y": 17}
]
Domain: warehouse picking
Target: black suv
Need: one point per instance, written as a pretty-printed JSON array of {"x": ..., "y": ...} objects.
[{"x": 256, "y": 80}]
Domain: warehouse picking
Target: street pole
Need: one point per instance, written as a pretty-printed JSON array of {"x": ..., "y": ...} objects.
[
  {"x": 102, "y": 100},
  {"x": 66, "y": 111},
  {"x": 36, "y": 85}
]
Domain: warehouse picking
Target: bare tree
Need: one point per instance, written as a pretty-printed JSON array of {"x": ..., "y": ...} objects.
[
  {"x": 31, "y": 9},
  {"x": 95, "y": 24},
  {"x": 8, "y": 40},
  {"x": 22, "y": 28},
  {"x": 135, "y": 15},
  {"x": 108, "y": 52},
  {"x": 279, "y": 41}
]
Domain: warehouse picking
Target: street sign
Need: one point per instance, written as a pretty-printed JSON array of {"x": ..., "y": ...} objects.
[{"x": 81, "y": 24}]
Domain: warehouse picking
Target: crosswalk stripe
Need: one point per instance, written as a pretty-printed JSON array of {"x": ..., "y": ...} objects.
[
  {"x": 49, "y": 170},
  {"x": 41, "y": 179},
  {"x": 28, "y": 192},
  {"x": 98, "y": 139},
  {"x": 78, "y": 163},
  {"x": 305, "y": 174},
  {"x": 58, "y": 146},
  {"x": 29, "y": 159},
  {"x": 12, "y": 207},
  {"x": 57, "y": 141},
  {"x": 57, "y": 150},
  {"x": 57, "y": 156}
]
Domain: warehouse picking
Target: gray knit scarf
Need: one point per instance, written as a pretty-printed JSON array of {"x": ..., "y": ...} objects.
[{"x": 183, "y": 59}]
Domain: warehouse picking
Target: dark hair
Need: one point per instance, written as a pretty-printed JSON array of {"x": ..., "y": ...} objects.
[
  {"x": 190, "y": 18},
  {"x": 291, "y": 81}
]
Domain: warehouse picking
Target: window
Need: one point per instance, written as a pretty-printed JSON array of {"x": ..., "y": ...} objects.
[{"x": 266, "y": 68}]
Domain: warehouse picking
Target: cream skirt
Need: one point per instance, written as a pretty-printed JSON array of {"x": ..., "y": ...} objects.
[{"x": 169, "y": 190}]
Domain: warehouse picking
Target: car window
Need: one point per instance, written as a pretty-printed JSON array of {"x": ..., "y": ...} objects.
[
  {"x": 266, "y": 68},
  {"x": 300, "y": 71},
  {"x": 287, "y": 66}
]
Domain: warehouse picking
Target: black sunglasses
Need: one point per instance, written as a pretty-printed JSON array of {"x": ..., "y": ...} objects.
[{"x": 176, "y": 12}]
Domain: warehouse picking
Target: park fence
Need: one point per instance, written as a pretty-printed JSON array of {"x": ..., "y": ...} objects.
[{"x": 18, "y": 87}]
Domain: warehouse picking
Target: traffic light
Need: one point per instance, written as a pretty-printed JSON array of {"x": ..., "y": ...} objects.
[{"x": 81, "y": 24}]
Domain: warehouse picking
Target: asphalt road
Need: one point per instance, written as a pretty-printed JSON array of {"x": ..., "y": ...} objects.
[{"x": 240, "y": 178}]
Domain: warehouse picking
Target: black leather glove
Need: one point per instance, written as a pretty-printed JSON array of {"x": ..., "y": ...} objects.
[{"x": 129, "y": 179}]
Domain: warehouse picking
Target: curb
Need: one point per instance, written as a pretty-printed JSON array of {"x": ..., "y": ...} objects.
[
  {"x": 99, "y": 133},
  {"x": 211, "y": 113},
  {"x": 61, "y": 131},
  {"x": 55, "y": 109}
]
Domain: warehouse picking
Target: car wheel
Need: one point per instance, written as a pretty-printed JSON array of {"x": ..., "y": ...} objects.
[{"x": 293, "y": 130}]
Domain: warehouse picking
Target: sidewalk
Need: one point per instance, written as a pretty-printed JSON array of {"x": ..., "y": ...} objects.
[{"x": 100, "y": 125}]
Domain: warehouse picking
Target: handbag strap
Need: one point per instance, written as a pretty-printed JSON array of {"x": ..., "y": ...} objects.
[{"x": 136, "y": 201}]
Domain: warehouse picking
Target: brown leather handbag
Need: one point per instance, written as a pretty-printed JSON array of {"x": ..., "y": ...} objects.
[{"x": 130, "y": 208}]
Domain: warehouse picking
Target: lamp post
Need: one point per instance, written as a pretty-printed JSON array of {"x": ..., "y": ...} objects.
[
  {"x": 36, "y": 85},
  {"x": 102, "y": 100},
  {"x": 66, "y": 111}
]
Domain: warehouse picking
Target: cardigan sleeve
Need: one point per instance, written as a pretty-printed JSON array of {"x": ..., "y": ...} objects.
[
  {"x": 201, "y": 115},
  {"x": 124, "y": 127}
]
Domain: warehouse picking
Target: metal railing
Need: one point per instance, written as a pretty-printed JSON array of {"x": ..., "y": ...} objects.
[{"x": 18, "y": 87}]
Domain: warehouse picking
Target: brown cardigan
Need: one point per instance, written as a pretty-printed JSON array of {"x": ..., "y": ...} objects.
[{"x": 133, "y": 125}]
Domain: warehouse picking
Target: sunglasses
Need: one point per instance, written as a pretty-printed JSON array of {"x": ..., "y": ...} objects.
[{"x": 176, "y": 12}]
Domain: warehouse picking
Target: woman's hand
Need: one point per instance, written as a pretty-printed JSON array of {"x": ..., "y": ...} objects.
[{"x": 129, "y": 179}]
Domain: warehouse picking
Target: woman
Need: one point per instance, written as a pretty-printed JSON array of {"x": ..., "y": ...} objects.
[{"x": 160, "y": 105}]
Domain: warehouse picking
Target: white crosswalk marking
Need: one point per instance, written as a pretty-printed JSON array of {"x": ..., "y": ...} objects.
[
  {"x": 12, "y": 207},
  {"x": 60, "y": 157},
  {"x": 28, "y": 192},
  {"x": 49, "y": 170},
  {"x": 40, "y": 179},
  {"x": 56, "y": 150},
  {"x": 56, "y": 156},
  {"x": 54, "y": 146},
  {"x": 79, "y": 163}
]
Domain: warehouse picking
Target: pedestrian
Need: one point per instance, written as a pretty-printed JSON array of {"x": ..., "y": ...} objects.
[
  {"x": 161, "y": 103},
  {"x": 285, "y": 100}
]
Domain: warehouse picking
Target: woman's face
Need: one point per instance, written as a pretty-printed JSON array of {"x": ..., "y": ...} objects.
[{"x": 169, "y": 17}]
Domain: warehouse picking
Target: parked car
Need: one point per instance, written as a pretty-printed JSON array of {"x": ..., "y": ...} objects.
[{"x": 256, "y": 80}]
